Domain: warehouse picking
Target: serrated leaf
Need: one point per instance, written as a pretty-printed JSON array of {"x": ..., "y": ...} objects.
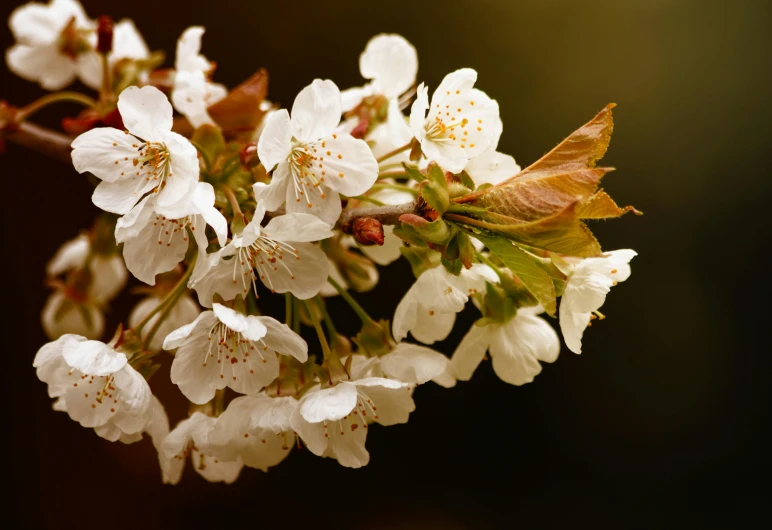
[
  {"x": 526, "y": 268},
  {"x": 435, "y": 189},
  {"x": 541, "y": 206},
  {"x": 602, "y": 206},
  {"x": 413, "y": 172}
]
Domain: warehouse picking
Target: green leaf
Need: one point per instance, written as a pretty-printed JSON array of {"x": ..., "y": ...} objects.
[
  {"x": 453, "y": 266},
  {"x": 527, "y": 269},
  {"x": 413, "y": 172},
  {"x": 435, "y": 189}
]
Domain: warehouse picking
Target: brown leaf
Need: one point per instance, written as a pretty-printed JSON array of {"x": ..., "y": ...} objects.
[
  {"x": 601, "y": 206},
  {"x": 542, "y": 205}
]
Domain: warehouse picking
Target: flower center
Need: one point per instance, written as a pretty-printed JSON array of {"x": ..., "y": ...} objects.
[
  {"x": 153, "y": 162},
  {"x": 263, "y": 258},
  {"x": 230, "y": 347},
  {"x": 308, "y": 171},
  {"x": 168, "y": 229}
]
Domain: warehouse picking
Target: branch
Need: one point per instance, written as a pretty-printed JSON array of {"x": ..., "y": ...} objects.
[
  {"x": 57, "y": 145},
  {"x": 50, "y": 143}
]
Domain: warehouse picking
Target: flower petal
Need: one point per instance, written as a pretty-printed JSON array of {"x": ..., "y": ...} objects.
[
  {"x": 145, "y": 111},
  {"x": 329, "y": 404},
  {"x": 273, "y": 195},
  {"x": 299, "y": 227},
  {"x": 93, "y": 357},
  {"x": 281, "y": 339},
  {"x": 274, "y": 143},
  {"x": 391, "y": 62},
  {"x": 316, "y": 111},
  {"x": 106, "y": 152},
  {"x": 348, "y": 164},
  {"x": 249, "y": 326}
]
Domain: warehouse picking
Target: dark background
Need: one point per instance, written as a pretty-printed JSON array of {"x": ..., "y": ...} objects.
[{"x": 661, "y": 422}]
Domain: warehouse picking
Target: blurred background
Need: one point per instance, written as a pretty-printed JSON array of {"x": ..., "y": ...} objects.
[{"x": 661, "y": 422}]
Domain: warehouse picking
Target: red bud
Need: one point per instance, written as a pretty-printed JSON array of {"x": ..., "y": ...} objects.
[
  {"x": 368, "y": 231},
  {"x": 248, "y": 155},
  {"x": 105, "y": 35}
]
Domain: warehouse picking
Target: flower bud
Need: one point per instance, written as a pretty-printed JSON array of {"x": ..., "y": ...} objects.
[
  {"x": 248, "y": 155},
  {"x": 105, "y": 35},
  {"x": 368, "y": 231}
]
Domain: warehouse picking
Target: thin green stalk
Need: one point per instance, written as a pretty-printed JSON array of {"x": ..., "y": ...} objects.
[
  {"x": 395, "y": 152},
  {"x": 398, "y": 187},
  {"x": 295, "y": 315},
  {"x": 319, "y": 333},
  {"x": 358, "y": 309},
  {"x": 393, "y": 174},
  {"x": 180, "y": 287},
  {"x": 75, "y": 97},
  {"x": 327, "y": 319},
  {"x": 288, "y": 309}
]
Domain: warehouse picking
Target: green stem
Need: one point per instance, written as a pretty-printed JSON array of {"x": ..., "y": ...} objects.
[
  {"x": 361, "y": 313},
  {"x": 288, "y": 309},
  {"x": 28, "y": 110},
  {"x": 393, "y": 174},
  {"x": 395, "y": 152},
  {"x": 295, "y": 315},
  {"x": 180, "y": 287},
  {"x": 319, "y": 332},
  {"x": 398, "y": 187},
  {"x": 328, "y": 323}
]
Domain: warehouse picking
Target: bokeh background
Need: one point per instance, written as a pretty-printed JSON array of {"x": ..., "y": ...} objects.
[{"x": 662, "y": 422}]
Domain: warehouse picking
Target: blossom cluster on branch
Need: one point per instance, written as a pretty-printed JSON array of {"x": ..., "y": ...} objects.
[{"x": 226, "y": 206}]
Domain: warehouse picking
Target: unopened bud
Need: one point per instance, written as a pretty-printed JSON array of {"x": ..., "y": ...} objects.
[
  {"x": 105, "y": 35},
  {"x": 248, "y": 155},
  {"x": 368, "y": 231},
  {"x": 361, "y": 129}
]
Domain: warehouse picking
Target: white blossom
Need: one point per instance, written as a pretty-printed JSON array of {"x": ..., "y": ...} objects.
[
  {"x": 127, "y": 44},
  {"x": 54, "y": 43},
  {"x": 589, "y": 281},
  {"x": 147, "y": 158},
  {"x": 410, "y": 363},
  {"x": 428, "y": 310},
  {"x": 313, "y": 164},
  {"x": 461, "y": 122},
  {"x": 96, "y": 386},
  {"x": 193, "y": 93},
  {"x": 184, "y": 311},
  {"x": 225, "y": 348},
  {"x": 190, "y": 438},
  {"x": 254, "y": 429},
  {"x": 154, "y": 243},
  {"x": 390, "y": 62},
  {"x": 279, "y": 254},
  {"x": 516, "y": 347},
  {"x": 333, "y": 422}
]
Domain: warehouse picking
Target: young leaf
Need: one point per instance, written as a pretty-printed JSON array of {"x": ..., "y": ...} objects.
[
  {"x": 413, "y": 173},
  {"x": 535, "y": 279},
  {"x": 601, "y": 206},
  {"x": 541, "y": 206},
  {"x": 435, "y": 189}
]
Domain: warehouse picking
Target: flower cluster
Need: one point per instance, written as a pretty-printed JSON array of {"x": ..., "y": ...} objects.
[{"x": 236, "y": 209}]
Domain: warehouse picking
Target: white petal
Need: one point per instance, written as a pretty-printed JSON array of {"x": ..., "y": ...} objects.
[
  {"x": 188, "y": 47},
  {"x": 145, "y": 111},
  {"x": 349, "y": 165},
  {"x": 392, "y": 62},
  {"x": 281, "y": 339},
  {"x": 274, "y": 144},
  {"x": 249, "y": 326},
  {"x": 158, "y": 248},
  {"x": 135, "y": 402},
  {"x": 471, "y": 350},
  {"x": 418, "y": 113},
  {"x": 300, "y": 227},
  {"x": 521, "y": 344},
  {"x": 119, "y": 197},
  {"x": 108, "y": 277},
  {"x": 62, "y": 315},
  {"x": 128, "y": 42},
  {"x": 41, "y": 63},
  {"x": 326, "y": 208},
  {"x": 492, "y": 167},
  {"x": 98, "y": 150},
  {"x": 392, "y": 404},
  {"x": 572, "y": 325},
  {"x": 177, "y": 337},
  {"x": 414, "y": 364},
  {"x": 348, "y": 447},
  {"x": 316, "y": 111},
  {"x": 71, "y": 255},
  {"x": 93, "y": 357},
  {"x": 273, "y": 195},
  {"x": 388, "y": 252},
  {"x": 431, "y": 328},
  {"x": 329, "y": 404},
  {"x": 302, "y": 274},
  {"x": 203, "y": 198},
  {"x": 214, "y": 469}
]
